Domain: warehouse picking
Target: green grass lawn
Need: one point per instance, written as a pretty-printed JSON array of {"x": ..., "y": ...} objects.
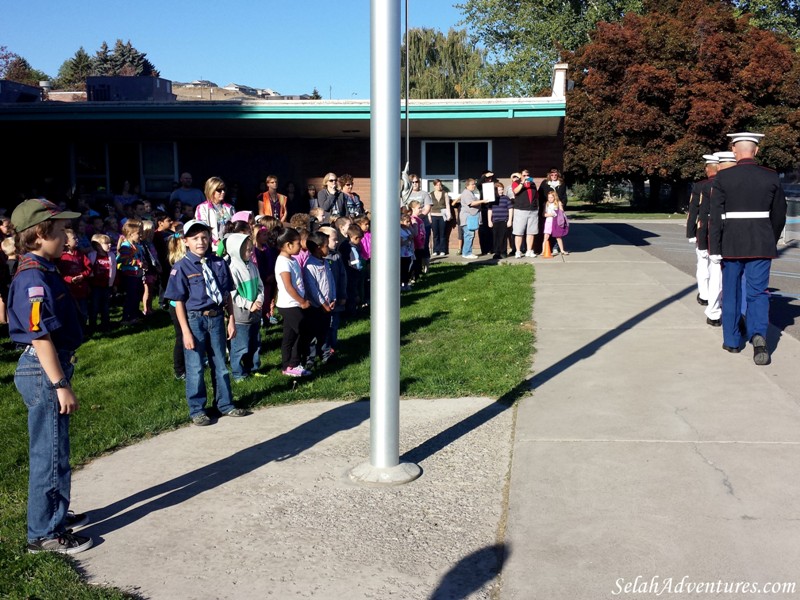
[{"x": 466, "y": 331}]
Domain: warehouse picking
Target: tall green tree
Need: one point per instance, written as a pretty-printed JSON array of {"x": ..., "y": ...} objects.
[
  {"x": 524, "y": 38},
  {"x": 73, "y": 72},
  {"x": 441, "y": 66},
  {"x": 656, "y": 91},
  {"x": 123, "y": 60},
  {"x": 782, "y": 16},
  {"x": 101, "y": 62}
]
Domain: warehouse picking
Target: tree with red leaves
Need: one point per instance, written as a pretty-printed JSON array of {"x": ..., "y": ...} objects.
[{"x": 656, "y": 91}]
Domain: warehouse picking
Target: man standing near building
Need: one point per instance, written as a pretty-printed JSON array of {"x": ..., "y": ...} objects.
[
  {"x": 186, "y": 194},
  {"x": 697, "y": 226},
  {"x": 748, "y": 212}
]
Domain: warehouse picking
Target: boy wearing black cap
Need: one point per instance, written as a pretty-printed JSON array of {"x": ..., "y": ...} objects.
[
  {"x": 200, "y": 284},
  {"x": 43, "y": 319}
]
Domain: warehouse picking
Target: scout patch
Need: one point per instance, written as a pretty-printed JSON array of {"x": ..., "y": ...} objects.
[{"x": 35, "y": 297}]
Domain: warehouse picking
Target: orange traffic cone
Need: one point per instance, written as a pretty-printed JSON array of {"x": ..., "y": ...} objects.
[{"x": 546, "y": 250}]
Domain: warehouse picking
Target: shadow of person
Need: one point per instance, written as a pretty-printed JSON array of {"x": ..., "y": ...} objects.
[
  {"x": 472, "y": 572},
  {"x": 125, "y": 511}
]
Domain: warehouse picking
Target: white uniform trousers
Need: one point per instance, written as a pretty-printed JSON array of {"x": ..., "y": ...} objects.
[
  {"x": 714, "y": 309},
  {"x": 702, "y": 273}
]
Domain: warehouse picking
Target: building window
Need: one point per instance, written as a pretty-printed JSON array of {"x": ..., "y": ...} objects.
[{"x": 455, "y": 161}]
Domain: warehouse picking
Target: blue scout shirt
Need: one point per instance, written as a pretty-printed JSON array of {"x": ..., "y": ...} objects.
[
  {"x": 40, "y": 303},
  {"x": 187, "y": 285}
]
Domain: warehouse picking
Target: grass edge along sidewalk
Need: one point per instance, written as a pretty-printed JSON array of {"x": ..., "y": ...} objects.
[{"x": 450, "y": 347}]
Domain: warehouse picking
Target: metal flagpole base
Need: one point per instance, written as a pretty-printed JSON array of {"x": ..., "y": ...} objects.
[{"x": 402, "y": 473}]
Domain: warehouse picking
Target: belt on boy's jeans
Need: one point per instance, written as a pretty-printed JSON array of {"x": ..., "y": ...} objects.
[
  {"x": 68, "y": 355},
  {"x": 213, "y": 312}
]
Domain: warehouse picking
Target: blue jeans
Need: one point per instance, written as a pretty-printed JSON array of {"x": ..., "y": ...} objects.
[
  {"x": 756, "y": 272},
  {"x": 208, "y": 332},
  {"x": 48, "y": 433},
  {"x": 244, "y": 350},
  {"x": 99, "y": 304},
  {"x": 133, "y": 288},
  {"x": 469, "y": 237}
]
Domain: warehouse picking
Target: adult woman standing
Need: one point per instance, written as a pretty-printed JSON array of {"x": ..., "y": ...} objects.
[
  {"x": 353, "y": 207},
  {"x": 470, "y": 217},
  {"x": 215, "y": 212},
  {"x": 330, "y": 198},
  {"x": 271, "y": 203},
  {"x": 553, "y": 181},
  {"x": 440, "y": 215}
]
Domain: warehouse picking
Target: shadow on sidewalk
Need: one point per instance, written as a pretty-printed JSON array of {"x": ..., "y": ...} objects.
[
  {"x": 589, "y": 349},
  {"x": 472, "y": 572},
  {"x": 220, "y": 472},
  {"x": 443, "y": 439}
]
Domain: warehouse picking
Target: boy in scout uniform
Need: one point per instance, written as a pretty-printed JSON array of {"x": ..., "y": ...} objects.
[{"x": 44, "y": 321}]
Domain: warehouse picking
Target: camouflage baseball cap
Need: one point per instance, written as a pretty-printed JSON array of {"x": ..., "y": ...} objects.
[{"x": 38, "y": 210}]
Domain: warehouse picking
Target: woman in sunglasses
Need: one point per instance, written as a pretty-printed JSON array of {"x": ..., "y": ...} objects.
[
  {"x": 215, "y": 212},
  {"x": 330, "y": 198}
]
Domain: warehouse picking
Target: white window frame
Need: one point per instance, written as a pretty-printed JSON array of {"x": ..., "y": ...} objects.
[{"x": 452, "y": 178}]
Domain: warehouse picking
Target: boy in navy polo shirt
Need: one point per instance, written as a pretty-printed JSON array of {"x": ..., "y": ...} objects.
[
  {"x": 44, "y": 319},
  {"x": 200, "y": 284}
]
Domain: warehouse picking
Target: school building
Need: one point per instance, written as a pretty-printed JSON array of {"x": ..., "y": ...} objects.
[{"x": 93, "y": 146}]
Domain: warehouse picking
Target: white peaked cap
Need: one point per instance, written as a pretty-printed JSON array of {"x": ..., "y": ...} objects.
[
  {"x": 725, "y": 156},
  {"x": 746, "y": 136}
]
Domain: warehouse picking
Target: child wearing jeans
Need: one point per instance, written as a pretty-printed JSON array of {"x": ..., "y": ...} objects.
[
  {"x": 48, "y": 329},
  {"x": 339, "y": 272},
  {"x": 200, "y": 284},
  {"x": 291, "y": 301},
  {"x": 248, "y": 298}
]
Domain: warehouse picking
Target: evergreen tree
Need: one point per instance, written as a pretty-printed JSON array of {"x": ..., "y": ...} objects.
[
  {"x": 74, "y": 71},
  {"x": 101, "y": 63}
]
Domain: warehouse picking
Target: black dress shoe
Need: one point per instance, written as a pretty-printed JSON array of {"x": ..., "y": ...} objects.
[
  {"x": 760, "y": 352},
  {"x": 731, "y": 349},
  {"x": 714, "y": 322},
  {"x": 701, "y": 302}
]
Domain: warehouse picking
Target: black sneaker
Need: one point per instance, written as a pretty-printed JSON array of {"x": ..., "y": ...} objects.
[
  {"x": 201, "y": 420},
  {"x": 760, "y": 352},
  {"x": 328, "y": 355},
  {"x": 76, "y": 520},
  {"x": 66, "y": 543},
  {"x": 714, "y": 322},
  {"x": 701, "y": 302}
]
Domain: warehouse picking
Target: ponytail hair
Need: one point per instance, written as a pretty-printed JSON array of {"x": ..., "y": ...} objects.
[{"x": 280, "y": 236}]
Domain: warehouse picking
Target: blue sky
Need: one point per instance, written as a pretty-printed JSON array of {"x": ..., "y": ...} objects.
[{"x": 290, "y": 46}]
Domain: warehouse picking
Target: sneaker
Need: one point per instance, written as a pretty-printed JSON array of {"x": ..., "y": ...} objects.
[
  {"x": 201, "y": 420},
  {"x": 237, "y": 412},
  {"x": 310, "y": 364},
  {"x": 517, "y": 254},
  {"x": 181, "y": 377},
  {"x": 273, "y": 320},
  {"x": 75, "y": 520},
  {"x": 66, "y": 543},
  {"x": 258, "y": 374},
  {"x": 469, "y": 256},
  {"x": 329, "y": 354},
  {"x": 530, "y": 254},
  {"x": 297, "y": 371},
  {"x": 714, "y": 322}
]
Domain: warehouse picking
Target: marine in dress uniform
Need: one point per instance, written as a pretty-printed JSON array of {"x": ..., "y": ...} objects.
[
  {"x": 697, "y": 226},
  {"x": 748, "y": 213}
]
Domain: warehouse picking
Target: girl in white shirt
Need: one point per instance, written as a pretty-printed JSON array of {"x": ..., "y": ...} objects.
[{"x": 291, "y": 301}]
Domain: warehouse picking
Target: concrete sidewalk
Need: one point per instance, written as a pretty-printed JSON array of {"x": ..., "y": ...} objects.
[{"x": 645, "y": 450}]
